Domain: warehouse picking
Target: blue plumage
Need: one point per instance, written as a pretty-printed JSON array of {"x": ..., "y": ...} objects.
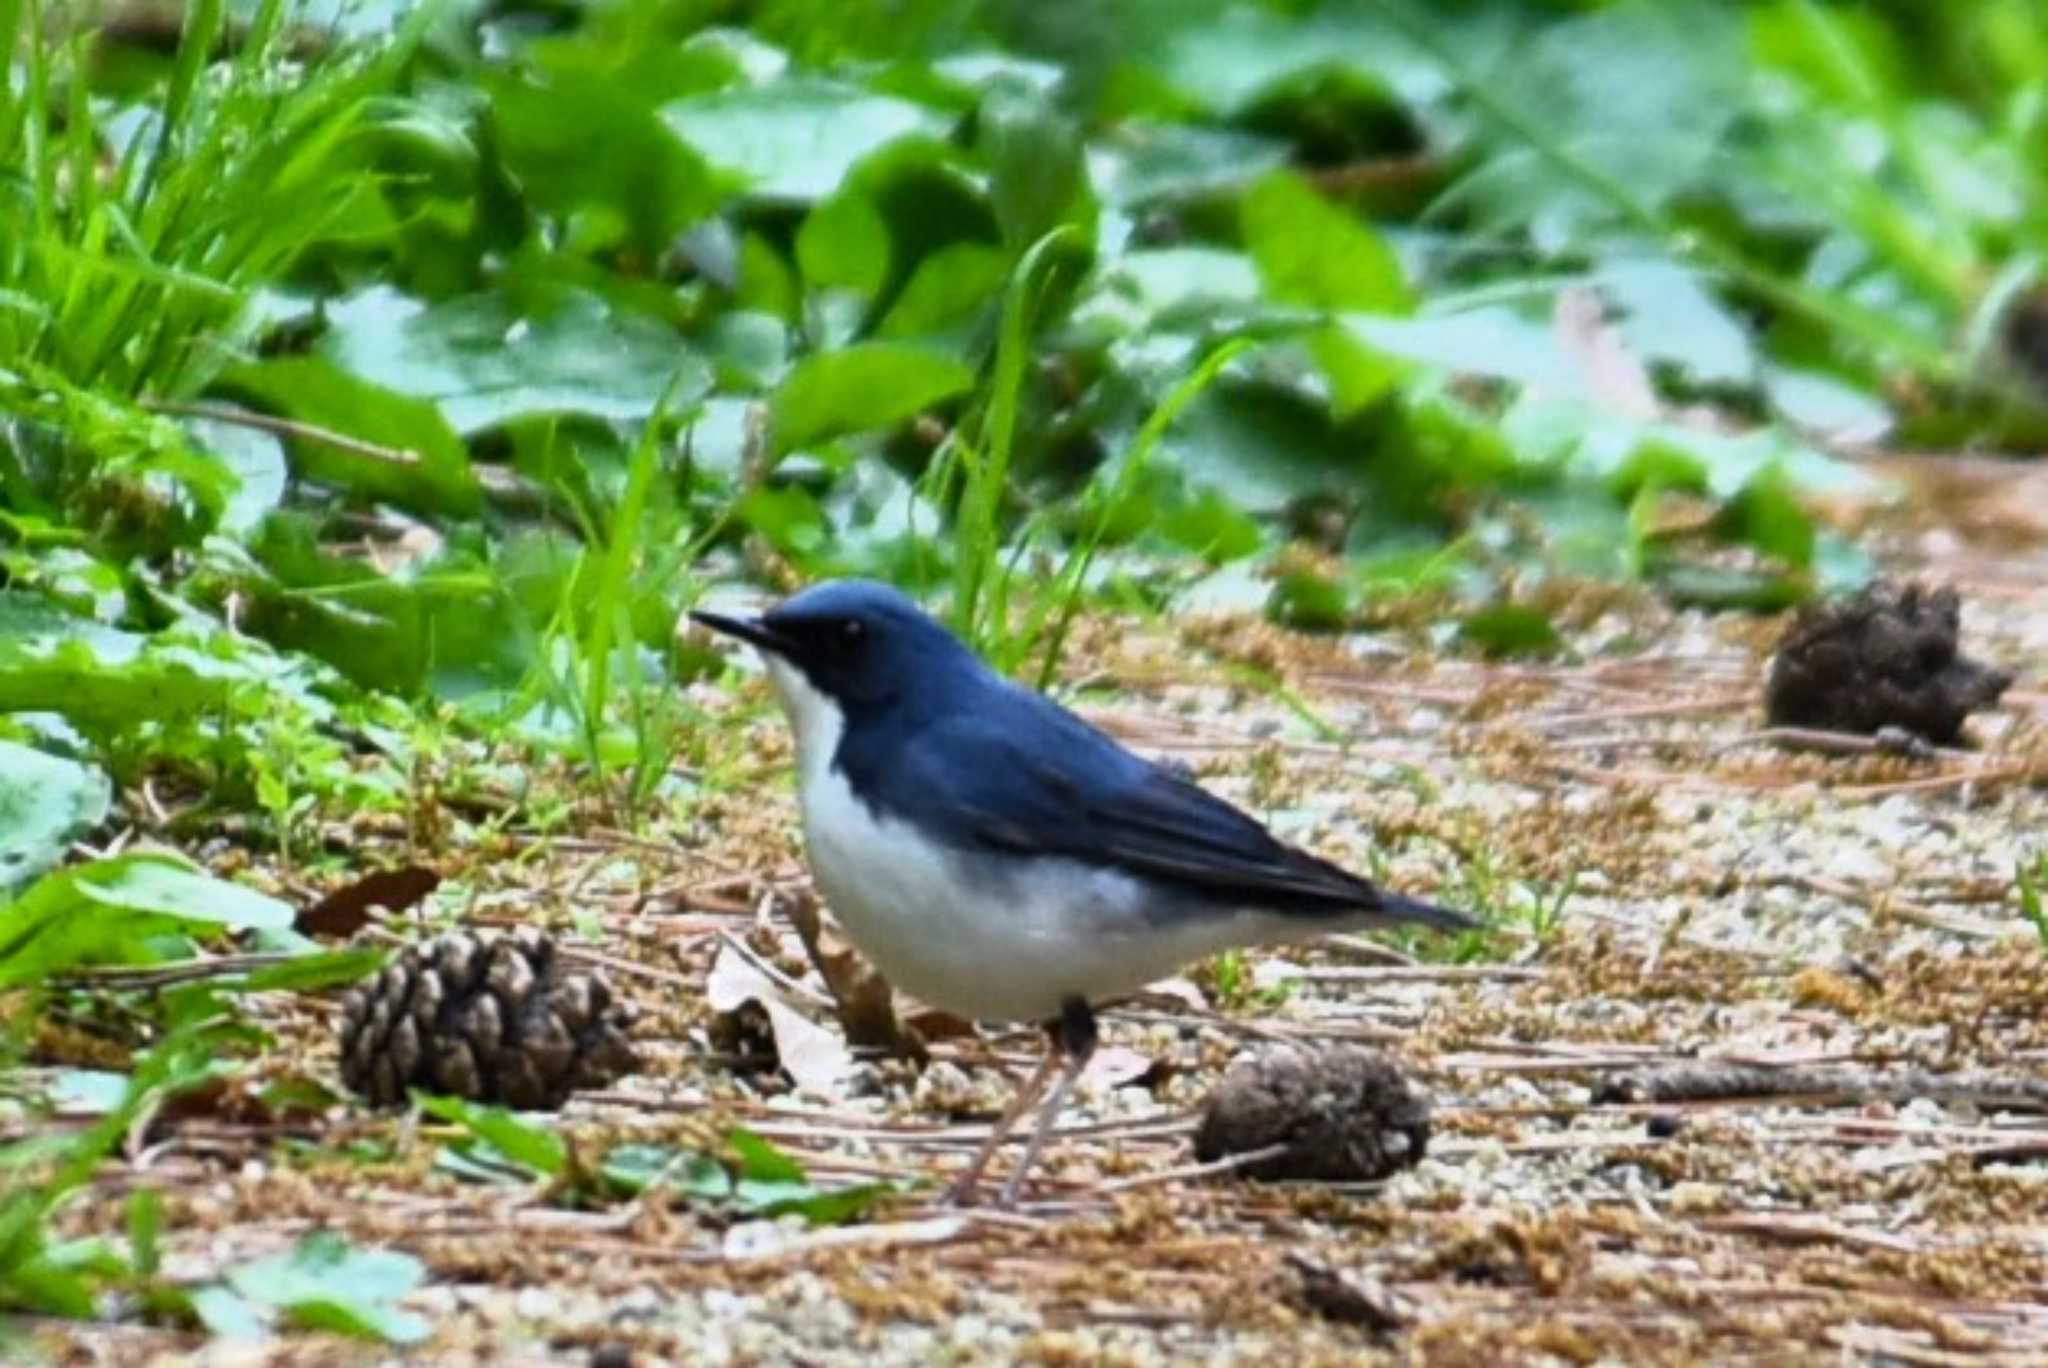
[{"x": 997, "y": 856}]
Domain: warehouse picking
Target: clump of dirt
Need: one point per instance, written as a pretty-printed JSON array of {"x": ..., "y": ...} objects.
[
  {"x": 1885, "y": 657},
  {"x": 493, "y": 1018},
  {"x": 1343, "y": 1114}
]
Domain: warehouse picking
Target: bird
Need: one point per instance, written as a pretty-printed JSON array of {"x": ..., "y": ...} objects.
[{"x": 1003, "y": 860}]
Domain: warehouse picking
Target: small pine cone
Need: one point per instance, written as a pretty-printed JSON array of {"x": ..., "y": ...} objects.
[{"x": 491, "y": 1018}]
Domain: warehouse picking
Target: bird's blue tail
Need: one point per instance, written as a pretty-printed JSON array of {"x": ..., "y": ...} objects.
[{"x": 1398, "y": 907}]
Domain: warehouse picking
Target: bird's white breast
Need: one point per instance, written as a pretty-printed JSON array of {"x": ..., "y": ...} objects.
[{"x": 991, "y": 936}]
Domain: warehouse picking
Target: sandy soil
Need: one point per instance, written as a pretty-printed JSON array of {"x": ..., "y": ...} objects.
[{"x": 1673, "y": 887}]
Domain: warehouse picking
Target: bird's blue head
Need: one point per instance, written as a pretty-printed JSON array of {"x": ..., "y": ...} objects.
[{"x": 859, "y": 643}]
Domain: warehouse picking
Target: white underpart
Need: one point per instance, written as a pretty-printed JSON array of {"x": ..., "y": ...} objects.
[{"x": 958, "y": 931}]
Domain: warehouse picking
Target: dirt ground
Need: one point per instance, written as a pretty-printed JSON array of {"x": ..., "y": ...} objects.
[{"x": 1674, "y": 886}]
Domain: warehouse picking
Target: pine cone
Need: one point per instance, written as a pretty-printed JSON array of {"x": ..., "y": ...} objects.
[
  {"x": 491, "y": 1018},
  {"x": 1886, "y": 657}
]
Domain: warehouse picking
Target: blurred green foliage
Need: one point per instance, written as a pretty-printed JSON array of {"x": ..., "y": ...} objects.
[{"x": 451, "y": 349}]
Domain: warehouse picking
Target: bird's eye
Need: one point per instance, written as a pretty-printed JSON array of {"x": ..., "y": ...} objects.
[{"x": 852, "y": 631}]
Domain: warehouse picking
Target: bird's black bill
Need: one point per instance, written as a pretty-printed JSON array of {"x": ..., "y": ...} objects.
[{"x": 750, "y": 630}]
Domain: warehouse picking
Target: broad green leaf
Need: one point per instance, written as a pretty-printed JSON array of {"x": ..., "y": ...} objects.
[
  {"x": 523, "y": 1142},
  {"x": 861, "y": 387},
  {"x": 310, "y": 972},
  {"x": 256, "y": 460},
  {"x": 227, "y": 1314},
  {"x": 446, "y": 624},
  {"x": 422, "y": 463},
  {"x": 169, "y": 887},
  {"x": 844, "y": 243},
  {"x": 760, "y": 1161},
  {"x": 1146, "y": 160},
  {"x": 1311, "y": 252},
  {"x": 953, "y": 286},
  {"x": 1765, "y": 514},
  {"x": 1641, "y": 93},
  {"x": 1503, "y": 630},
  {"x": 1310, "y": 603},
  {"x": 795, "y": 138},
  {"x": 595, "y": 155},
  {"x": 633, "y": 1167},
  {"x": 761, "y": 1180},
  {"x": 1226, "y": 61},
  {"x": 46, "y": 802},
  {"x": 105, "y": 680},
  {"x": 1493, "y": 342},
  {"x": 1037, "y": 170},
  {"x": 1262, "y": 447},
  {"x": 1670, "y": 317},
  {"x": 483, "y": 360},
  {"x": 118, "y": 911},
  {"x": 327, "y": 1284}
]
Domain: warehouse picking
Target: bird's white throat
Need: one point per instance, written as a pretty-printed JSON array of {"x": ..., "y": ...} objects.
[{"x": 814, "y": 717}]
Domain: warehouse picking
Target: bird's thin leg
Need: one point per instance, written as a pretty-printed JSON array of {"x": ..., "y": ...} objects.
[
  {"x": 1074, "y": 1036},
  {"x": 963, "y": 1186}
]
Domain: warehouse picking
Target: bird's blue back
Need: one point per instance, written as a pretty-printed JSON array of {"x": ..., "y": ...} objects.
[{"x": 982, "y": 765}]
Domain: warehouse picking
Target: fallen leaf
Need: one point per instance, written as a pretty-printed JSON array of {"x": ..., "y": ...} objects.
[
  {"x": 1114, "y": 1066},
  {"x": 1179, "y": 991},
  {"x": 346, "y": 910},
  {"x": 866, "y": 1004},
  {"x": 816, "y": 1059}
]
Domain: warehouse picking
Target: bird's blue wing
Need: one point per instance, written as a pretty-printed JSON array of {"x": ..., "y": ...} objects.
[{"x": 1025, "y": 777}]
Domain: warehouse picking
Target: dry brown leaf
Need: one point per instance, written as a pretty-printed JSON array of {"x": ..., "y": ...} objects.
[
  {"x": 866, "y": 1004},
  {"x": 1114, "y": 1066},
  {"x": 346, "y": 910},
  {"x": 815, "y": 1058}
]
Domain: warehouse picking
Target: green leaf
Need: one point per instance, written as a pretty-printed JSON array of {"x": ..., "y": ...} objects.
[
  {"x": 1766, "y": 515},
  {"x": 648, "y": 185},
  {"x": 760, "y": 1161},
  {"x": 1146, "y": 160},
  {"x": 227, "y": 1314},
  {"x": 1310, "y": 252},
  {"x": 523, "y": 1142},
  {"x": 867, "y": 385},
  {"x": 761, "y": 1181},
  {"x": 1640, "y": 93},
  {"x": 485, "y": 360},
  {"x": 256, "y": 459},
  {"x": 1510, "y": 629},
  {"x": 424, "y": 466},
  {"x": 1309, "y": 603},
  {"x": 145, "y": 1227},
  {"x": 796, "y": 138},
  {"x": 46, "y": 802},
  {"x": 109, "y": 911},
  {"x": 310, "y": 972},
  {"x": 166, "y": 886},
  {"x": 844, "y": 243},
  {"x": 1230, "y": 60},
  {"x": 1037, "y": 167},
  {"x": 104, "y": 680},
  {"x": 327, "y": 1284},
  {"x": 954, "y": 286}
]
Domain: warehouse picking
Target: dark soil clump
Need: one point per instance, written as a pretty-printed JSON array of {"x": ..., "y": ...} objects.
[{"x": 1344, "y": 1114}]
